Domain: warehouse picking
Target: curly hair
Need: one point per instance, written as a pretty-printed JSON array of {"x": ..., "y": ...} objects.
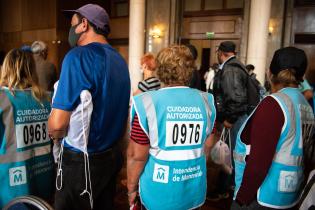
[{"x": 175, "y": 65}]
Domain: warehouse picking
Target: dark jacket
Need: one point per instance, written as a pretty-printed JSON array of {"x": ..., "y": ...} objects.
[
  {"x": 230, "y": 91},
  {"x": 46, "y": 72}
]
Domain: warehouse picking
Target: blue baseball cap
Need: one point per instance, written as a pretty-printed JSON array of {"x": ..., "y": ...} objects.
[{"x": 93, "y": 13}]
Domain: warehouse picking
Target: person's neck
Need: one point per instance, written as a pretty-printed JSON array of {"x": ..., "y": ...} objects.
[
  {"x": 147, "y": 74},
  {"x": 276, "y": 87},
  {"x": 172, "y": 85},
  {"x": 93, "y": 38},
  {"x": 38, "y": 57},
  {"x": 225, "y": 59}
]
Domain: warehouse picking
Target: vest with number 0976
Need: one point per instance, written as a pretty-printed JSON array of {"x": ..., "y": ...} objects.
[
  {"x": 26, "y": 165},
  {"x": 177, "y": 121},
  {"x": 282, "y": 185}
]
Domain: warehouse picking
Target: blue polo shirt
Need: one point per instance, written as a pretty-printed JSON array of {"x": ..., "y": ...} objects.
[{"x": 102, "y": 71}]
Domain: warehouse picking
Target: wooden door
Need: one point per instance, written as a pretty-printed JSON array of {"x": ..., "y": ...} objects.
[{"x": 303, "y": 33}]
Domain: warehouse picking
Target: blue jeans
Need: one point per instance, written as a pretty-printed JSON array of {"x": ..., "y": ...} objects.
[{"x": 226, "y": 181}]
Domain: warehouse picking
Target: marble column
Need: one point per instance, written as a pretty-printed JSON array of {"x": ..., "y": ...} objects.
[
  {"x": 136, "y": 40},
  {"x": 258, "y": 36}
]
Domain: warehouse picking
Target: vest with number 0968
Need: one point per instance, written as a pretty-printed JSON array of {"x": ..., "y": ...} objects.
[
  {"x": 177, "y": 121},
  {"x": 282, "y": 185},
  {"x": 26, "y": 165}
]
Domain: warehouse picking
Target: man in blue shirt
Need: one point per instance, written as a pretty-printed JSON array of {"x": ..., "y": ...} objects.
[{"x": 90, "y": 110}]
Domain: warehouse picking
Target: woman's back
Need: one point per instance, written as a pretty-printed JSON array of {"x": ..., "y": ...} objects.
[{"x": 26, "y": 166}]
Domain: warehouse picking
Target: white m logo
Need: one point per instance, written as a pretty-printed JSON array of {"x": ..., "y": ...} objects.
[{"x": 160, "y": 173}]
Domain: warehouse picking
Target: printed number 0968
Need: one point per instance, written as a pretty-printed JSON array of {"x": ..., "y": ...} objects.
[{"x": 34, "y": 132}]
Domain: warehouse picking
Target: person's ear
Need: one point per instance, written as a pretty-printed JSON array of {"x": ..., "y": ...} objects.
[{"x": 85, "y": 24}]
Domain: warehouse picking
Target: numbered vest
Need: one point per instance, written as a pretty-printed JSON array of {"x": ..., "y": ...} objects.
[
  {"x": 26, "y": 165},
  {"x": 177, "y": 121},
  {"x": 281, "y": 186}
]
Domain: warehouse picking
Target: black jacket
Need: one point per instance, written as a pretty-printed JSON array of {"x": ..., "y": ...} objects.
[{"x": 230, "y": 91}]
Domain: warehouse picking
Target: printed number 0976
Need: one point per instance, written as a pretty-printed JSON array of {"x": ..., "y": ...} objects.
[{"x": 181, "y": 133}]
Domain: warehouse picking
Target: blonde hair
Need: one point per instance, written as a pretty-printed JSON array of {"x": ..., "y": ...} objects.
[
  {"x": 18, "y": 72},
  {"x": 286, "y": 78},
  {"x": 175, "y": 65}
]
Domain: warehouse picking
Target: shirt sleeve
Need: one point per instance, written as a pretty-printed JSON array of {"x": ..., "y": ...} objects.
[
  {"x": 304, "y": 86},
  {"x": 262, "y": 132},
  {"x": 76, "y": 75},
  {"x": 142, "y": 85},
  {"x": 137, "y": 134}
]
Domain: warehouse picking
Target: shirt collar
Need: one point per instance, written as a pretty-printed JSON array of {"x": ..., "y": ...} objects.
[{"x": 222, "y": 65}]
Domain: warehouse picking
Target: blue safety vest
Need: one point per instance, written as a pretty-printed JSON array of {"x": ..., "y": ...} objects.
[
  {"x": 26, "y": 165},
  {"x": 177, "y": 121},
  {"x": 281, "y": 186}
]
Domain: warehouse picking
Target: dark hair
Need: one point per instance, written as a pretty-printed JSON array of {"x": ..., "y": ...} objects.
[
  {"x": 250, "y": 67},
  {"x": 192, "y": 50},
  {"x": 104, "y": 32}
]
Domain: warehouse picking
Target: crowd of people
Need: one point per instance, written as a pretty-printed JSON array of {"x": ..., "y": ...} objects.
[{"x": 60, "y": 139}]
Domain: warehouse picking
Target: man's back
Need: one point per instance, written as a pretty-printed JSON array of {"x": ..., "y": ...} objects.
[
  {"x": 230, "y": 90},
  {"x": 101, "y": 70}
]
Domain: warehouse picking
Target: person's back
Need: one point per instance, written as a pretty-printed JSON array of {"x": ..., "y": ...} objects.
[
  {"x": 46, "y": 71},
  {"x": 94, "y": 86},
  {"x": 26, "y": 166},
  {"x": 170, "y": 136},
  {"x": 230, "y": 91},
  {"x": 277, "y": 183},
  {"x": 176, "y": 146},
  {"x": 27, "y": 154},
  {"x": 110, "y": 79}
]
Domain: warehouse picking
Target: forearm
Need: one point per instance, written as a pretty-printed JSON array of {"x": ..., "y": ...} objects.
[
  {"x": 58, "y": 123},
  {"x": 134, "y": 170},
  {"x": 137, "y": 156},
  {"x": 209, "y": 143}
]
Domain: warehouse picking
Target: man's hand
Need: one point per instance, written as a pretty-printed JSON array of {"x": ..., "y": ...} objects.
[
  {"x": 227, "y": 124},
  {"x": 132, "y": 198},
  {"x": 57, "y": 136}
]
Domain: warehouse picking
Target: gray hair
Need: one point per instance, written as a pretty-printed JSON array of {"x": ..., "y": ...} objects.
[{"x": 38, "y": 47}]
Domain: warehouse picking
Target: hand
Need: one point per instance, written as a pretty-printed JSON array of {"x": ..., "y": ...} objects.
[
  {"x": 55, "y": 140},
  {"x": 132, "y": 197},
  {"x": 227, "y": 124}
]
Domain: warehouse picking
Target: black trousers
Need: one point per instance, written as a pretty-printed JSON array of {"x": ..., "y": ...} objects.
[{"x": 104, "y": 168}]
